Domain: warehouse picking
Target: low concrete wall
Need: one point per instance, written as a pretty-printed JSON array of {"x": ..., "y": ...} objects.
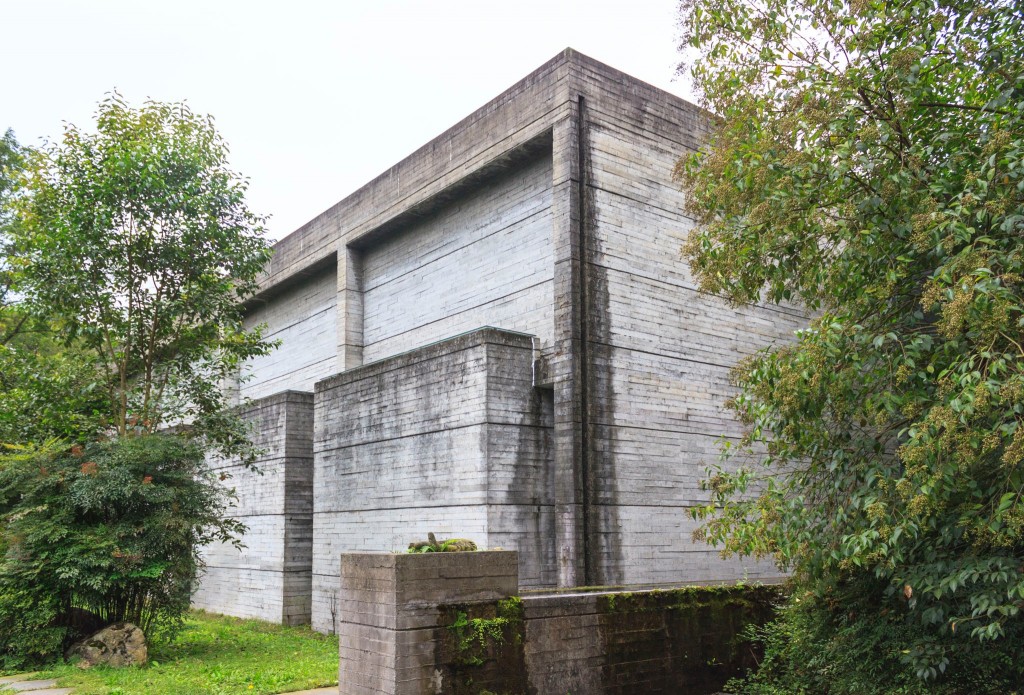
[
  {"x": 683, "y": 641},
  {"x": 388, "y": 613},
  {"x": 450, "y": 624}
]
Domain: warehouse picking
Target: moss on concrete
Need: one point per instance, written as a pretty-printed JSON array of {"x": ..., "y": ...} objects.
[{"x": 481, "y": 648}]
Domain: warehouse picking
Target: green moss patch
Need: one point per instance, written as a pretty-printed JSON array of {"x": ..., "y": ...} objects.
[{"x": 481, "y": 648}]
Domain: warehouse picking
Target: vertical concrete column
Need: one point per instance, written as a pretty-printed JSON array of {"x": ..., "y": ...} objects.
[
  {"x": 270, "y": 578},
  {"x": 388, "y": 613},
  {"x": 350, "y": 308},
  {"x": 566, "y": 367}
]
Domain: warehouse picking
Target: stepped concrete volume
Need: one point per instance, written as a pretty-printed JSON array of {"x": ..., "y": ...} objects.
[{"x": 495, "y": 339}]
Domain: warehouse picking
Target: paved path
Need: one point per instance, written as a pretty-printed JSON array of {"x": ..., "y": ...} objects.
[{"x": 24, "y": 683}]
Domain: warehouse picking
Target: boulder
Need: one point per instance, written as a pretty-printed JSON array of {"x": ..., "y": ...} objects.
[{"x": 118, "y": 645}]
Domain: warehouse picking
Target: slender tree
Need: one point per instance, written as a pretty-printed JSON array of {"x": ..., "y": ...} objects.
[
  {"x": 136, "y": 243},
  {"x": 133, "y": 245}
]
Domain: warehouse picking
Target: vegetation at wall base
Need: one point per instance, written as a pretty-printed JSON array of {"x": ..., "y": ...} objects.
[
  {"x": 125, "y": 257},
  {"x": 217, "y": 655},
  {"x": 868, "y": 165},
  {"x": 113, "y": 528},
  {"x": 849, "y": 646}
]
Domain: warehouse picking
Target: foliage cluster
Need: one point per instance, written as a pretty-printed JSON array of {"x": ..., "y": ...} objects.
[
  {"x": 12, "y": 163},
  {"x": 112, "y": 528},
  {"x": 125, "y": 256},
  {"x": 136, "y": 247},
  {"x": 868, "y": 165},
  {"x": 852, "y": 647},
  {"x": 448, "y": 545},
  {"x": 46, "y": 389},
  {"x": 477, "y": 638},
  {"x": 474, "y": 635}
]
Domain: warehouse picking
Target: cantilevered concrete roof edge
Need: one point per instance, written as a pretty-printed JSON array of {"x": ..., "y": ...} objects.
[{"x": 520, "y": 114}]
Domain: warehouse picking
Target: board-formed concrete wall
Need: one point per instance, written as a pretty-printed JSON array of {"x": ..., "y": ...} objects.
[
  {"x": 452, "y": 624},
  {"x": 483, "y": 260},
  {"x": 304, "y": 318},
  {"x": 659, "y": 351},
  {"x": 270, "y": 578},
  {"x": 452, "y": 439},
  {"x": 550, "y": 211}
]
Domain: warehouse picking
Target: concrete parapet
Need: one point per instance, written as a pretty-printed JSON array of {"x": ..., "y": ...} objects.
[
  {"x": 389, "y": 612},
  {"x": 451, "y": 624}
]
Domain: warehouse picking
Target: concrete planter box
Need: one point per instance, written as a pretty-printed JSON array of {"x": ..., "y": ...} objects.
[{"x": 388, "y": 610}]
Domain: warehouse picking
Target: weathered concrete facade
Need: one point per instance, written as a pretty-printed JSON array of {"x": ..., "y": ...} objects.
[
  {"x": 550, "y": 211},
  {"x": 453, "y": 624},
  {"x": 452, "y": 439},
  {"x": 271, "y": 577}
]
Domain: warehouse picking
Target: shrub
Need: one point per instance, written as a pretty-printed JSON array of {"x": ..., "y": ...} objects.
[
  {"x": 841, "y": 642},
  {"x": 30, "y": 632},
  {"x": 113, "y": 528}
]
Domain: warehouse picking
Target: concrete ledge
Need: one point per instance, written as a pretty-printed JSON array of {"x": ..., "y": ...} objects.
[{"x": 481, "y": 336}]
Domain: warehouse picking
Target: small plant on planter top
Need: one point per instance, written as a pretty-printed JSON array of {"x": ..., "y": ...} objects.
[{"x": 450, "y": 545}]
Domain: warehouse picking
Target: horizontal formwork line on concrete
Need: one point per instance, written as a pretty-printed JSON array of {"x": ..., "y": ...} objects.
[
  {"x": 544, "y": 122},
  {"x": 254, "y": 388},
  {"x": 362, "y": 510},
  {"x": 266, "y": 382},
  {"x": 242, "y": 568},
  {"x": 668, "y": 430},
  {"x": 774, "y": 308},
  {"x": 646, "y": 203},
  {"x": 688, "y": 288},
  {"x": 614, "y": 125},
  {"x": 667, "y": 356},
  {"x": 682, "y": 504},
  {"x": 276, "y": 399},
  {"x": 260, "y": 463},
  {"x": 295, "y": 515},
  {"x": 417, "y": 355},
  {"x": 481, "y": 423},
  {"x": 544, "y": 210},
  {"x": 495, "y": 300},
  {"x": 331, "y": 304}
]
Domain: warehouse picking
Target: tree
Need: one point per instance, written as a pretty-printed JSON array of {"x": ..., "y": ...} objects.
[
  {"x": 46, "y": 389},
  {"x": 12, "y": 163},
  {"x": 867, "y": 162},
  {"x": 134, "y": 247},
  {"x": 137, "y": 245}
]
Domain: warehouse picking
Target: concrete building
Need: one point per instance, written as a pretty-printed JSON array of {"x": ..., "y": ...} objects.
[{"x": 495, "y": 339}]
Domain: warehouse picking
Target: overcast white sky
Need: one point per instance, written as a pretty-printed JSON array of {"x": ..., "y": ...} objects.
[{"x": 315, "y": 98}]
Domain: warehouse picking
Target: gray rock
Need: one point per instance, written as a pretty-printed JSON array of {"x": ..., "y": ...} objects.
[{"x": 118, "y": 645}]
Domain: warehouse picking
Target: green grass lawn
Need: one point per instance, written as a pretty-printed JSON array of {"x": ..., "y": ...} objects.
[{"x": 216, "y": 655}]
